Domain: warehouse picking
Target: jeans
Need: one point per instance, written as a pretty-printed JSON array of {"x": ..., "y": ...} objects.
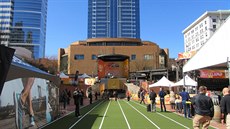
[
  {"x": 186, "y": 108},
  {"x": 153, "y": 105},
  {"x": 162, "y": 102}
]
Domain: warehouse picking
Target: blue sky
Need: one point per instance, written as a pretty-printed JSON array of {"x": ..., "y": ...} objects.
[{"x": 162, "y": 21}]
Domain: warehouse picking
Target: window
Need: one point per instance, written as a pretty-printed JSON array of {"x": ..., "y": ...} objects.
[
  {"x": 133, "y": 57},
  {"x": 148, "y": 57},
  {"x": 213, "y": 20},
  {"x": 79, "y": 57},
  {"x": 214, "y": 26},
  {"x": 94, "y": 57}
]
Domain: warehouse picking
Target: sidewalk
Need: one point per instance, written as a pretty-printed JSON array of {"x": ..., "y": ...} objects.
[{"x": 214, "y": 124}]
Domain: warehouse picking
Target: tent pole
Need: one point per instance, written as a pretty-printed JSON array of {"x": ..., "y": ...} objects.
[{"x": 228, "y": 71}]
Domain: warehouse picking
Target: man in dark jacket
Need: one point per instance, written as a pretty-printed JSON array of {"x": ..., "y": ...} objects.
[
  {"x": 77, "y": 96},
  {"x": 162, "y": 99},
  {"x": 152, "y": 97},
  {"x": 225, "y": 107},
  {"x": 204, "y": 109}
]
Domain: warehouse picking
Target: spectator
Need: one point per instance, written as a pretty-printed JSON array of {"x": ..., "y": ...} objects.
[
  {"x": 152, "y": 96},
  {"x": 142, "y": 96},
  {"x": 178, "y": 104},
  {"x": 77, "y": 95},
  {"x": 204, "y": 109},
  {"x": 185, "y": 97},
  {"x": 162, "y": 99},
  {"x": 225, "y": 107},
  {"x": 128, "y": 94},
  {"x": 95, "y": 95},
  {"x": 172, "y": 99},
  {"x": 90, "y": 95}
]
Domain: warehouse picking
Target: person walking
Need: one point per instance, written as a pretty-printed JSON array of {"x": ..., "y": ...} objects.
[
  {"x": 142, "y": 95},
  {"x": 152, "y": 96},
  {"x": 204, "y": 109},
  {"x": 185, "y": 97},
  {"x": 77, "y": 96},
  {"x": 225, "y": 107},
  {"x": 115, "y": 95},
  {"x": 162, "y": 99}
]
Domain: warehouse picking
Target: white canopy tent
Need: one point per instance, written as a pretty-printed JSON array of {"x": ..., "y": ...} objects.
[
  {"x": 164, "y": 82},
  {"x": 63, "y": 75},
  {"x": 186, "y": 81},
  {"x": 84, "y": 76},
  {"x": 215, "y": 51}
]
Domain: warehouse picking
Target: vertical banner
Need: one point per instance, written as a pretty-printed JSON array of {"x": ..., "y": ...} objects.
[
  {"x": 6, "y": 55},
  {"x": 101, "y": 70},
  {"x": 126, "y": 68}
]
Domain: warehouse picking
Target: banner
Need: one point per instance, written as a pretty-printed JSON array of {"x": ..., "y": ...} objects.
[
  {"x": 89, "y": 81},
  {"x": 6, "y": 55},
  {"x": 212, "y": 73},
  {"x": 21, "y": 94},
  {"x": 186, "y": 55}
]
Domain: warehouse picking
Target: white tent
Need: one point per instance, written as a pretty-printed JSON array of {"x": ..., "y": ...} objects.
[
  {"x": 63, "y": 75},
  {"x": 215, "y": 51},
  {"x": 164, "y": 82},
  {"x": 186, "y": 81},
  {"x": 84, "y": 76}
]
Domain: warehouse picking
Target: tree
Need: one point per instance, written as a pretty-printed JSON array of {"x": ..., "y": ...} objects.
[{"x": 48, "y": 64}]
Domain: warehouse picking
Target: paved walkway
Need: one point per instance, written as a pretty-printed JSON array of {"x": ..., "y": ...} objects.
[{"x": 71, "y": 106}]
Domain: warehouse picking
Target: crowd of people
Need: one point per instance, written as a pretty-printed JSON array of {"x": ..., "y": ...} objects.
[{"x": 200, "y": 106}]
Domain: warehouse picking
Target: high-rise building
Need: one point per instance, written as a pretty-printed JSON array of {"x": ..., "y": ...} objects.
[
  {"x": 197, "y": 33},
  {"x": 113, "y": 19},
  {"x": 6, "y": 7},
  {"x": 27, "y": 24}
]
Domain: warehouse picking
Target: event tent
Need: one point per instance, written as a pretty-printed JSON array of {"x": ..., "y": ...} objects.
[
  {"x": 63, "y": 75},
  {"x": 21, "y": 69},
  {"x": 164, "y": 82},
  {"x": 84, "y": 76},
  {"x": 215, "y": 51},
  {"x": 186, "y": 81}
]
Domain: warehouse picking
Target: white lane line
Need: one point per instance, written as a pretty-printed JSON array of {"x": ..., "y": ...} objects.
[
  {"x": 104, "y": 115},
  {"x": 124, "y": 115},
  {"x": 166, "y": 117},
  {"x": 144, "y": 115},
  {"x": 84, "y": 115}
]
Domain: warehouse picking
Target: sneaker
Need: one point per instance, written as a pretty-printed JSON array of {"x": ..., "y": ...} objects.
[
  {"x": 32, "y": 123},
  {"x": 79, "y": 116},
  {"x": 18, "y": 110}
]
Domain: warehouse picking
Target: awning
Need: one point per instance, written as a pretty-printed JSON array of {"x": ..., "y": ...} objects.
[
  {"x": 21, "y": 69},
  {"x": 215, "y": 51}
]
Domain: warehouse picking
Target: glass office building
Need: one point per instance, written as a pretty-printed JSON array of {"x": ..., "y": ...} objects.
[
  {"x": 28, "y": 26},
  {"x": 113, "y": 19},
  {"x": 6, "y": 7}
]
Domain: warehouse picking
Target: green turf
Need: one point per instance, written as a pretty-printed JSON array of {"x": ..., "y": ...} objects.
[{"x": 121, "y": 114}]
